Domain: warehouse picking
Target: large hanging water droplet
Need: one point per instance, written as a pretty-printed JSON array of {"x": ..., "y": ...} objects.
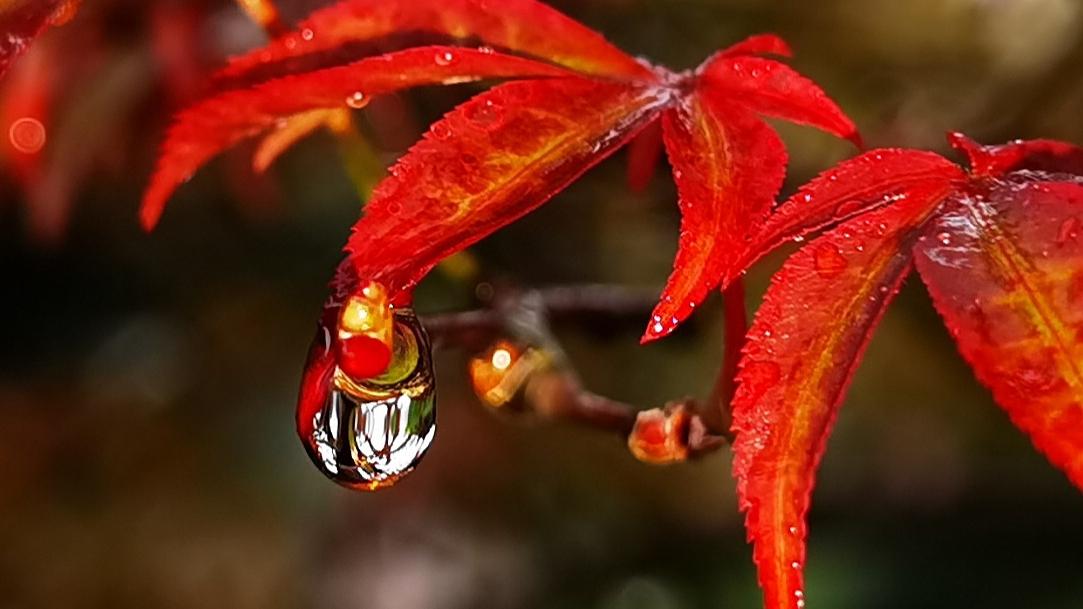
[{"x": 367, "y": 434}]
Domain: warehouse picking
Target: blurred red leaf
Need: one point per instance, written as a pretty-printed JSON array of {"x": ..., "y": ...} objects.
[
  {"x": 523, "y": 26},
  {"x": 265, "y": 13},
  {"x": 215, "y": 124},
  {"x": 22, "y": 21}
]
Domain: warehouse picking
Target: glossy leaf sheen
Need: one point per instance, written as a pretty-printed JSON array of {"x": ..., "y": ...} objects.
[
  {"x": 774, "y": 89},
  {"x": 204, "y": 130},
  {"x": 1006, "y": 272},
  {"x": 728, "y": 165},
  {"x": 855, "y": 186},
  {"x": 487, "y": 163},
  {"x": 524, "y": 26},
  {"x": 802, "y": 350}
]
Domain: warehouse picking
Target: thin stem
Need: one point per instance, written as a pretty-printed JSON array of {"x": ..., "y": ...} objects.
[
  {"x": 555, "y": 391},
  {"x": 265, "y": 13},
  {"x": 735, "y": 327}
]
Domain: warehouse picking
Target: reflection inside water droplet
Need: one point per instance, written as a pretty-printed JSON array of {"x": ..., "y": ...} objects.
[{"x": 367, "y": 434}]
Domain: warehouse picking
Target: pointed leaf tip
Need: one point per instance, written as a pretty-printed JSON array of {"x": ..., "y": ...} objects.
[
  {"x": 802, "y": 351},
  {"x": 1039, "y": 155},
  {"x": 728, "y": 165},
  {"x": 774, "y": 89}
]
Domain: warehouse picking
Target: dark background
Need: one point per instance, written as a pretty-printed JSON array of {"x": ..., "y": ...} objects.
[{"x": 147, "y": 383}]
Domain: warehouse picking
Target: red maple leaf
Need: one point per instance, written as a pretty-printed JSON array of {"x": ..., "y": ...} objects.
[
  {"x": 575, "y": 100},
  {"x": 999, "y": 249}
]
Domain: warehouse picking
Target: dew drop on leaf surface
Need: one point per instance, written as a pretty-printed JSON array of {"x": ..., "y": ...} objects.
[
  {"x": 828, "y": 260},
  {"x": 357, "y": 100},
  {"x": 1069, "y": 230}
]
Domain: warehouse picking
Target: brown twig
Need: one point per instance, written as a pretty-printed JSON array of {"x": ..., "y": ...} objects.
[
  {"x": 677, "y": 432},
  {"x": 736, "y": 326}
]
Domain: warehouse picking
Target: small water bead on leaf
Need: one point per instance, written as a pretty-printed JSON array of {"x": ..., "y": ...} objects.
[
  {"x": 1069, "y": 230},
  {"x": 357, "y": 100},
  {"x": 828, "y": 261},
  {"x": 444, "y": 58},
  {"x": 370, "y": 433}
]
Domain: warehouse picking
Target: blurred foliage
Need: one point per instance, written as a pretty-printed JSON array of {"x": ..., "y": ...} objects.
[{"x": 147, "y": 383}]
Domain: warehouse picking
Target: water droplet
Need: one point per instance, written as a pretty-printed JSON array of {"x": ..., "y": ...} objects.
[
  {"x": 367, "y": 434},
  {"x": 27, "y": 135},
  {"x": 444, "y": 58},
  {"x": 828, "y": 261},
  {"x": 357, "y": 100},
  {"x": 849, "y": 208},
  {"x": 483, "y": 114},
  {"x": 440, "y": 130},
  {"x": 307, "y": 34},
  {"x": 1069, "y": 230},
  {"x": 944, "y": 238}
]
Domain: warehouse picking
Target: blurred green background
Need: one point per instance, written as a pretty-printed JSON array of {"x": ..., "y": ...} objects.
[{"x": 147, "y": 382}]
